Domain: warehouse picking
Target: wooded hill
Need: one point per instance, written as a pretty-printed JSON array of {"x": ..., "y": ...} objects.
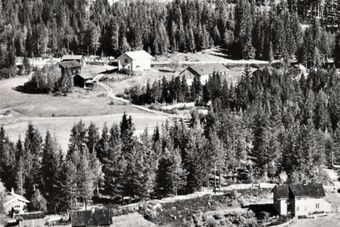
[{"x": 40, "y": 28}]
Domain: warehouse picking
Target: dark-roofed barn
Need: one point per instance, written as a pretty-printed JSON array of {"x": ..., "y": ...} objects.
[
  {"x": 83, "y": 80},
  {"x": 89, "y": 218},
  {"x": 300, "y": 199},
  {"x": 203, "y": 71}
]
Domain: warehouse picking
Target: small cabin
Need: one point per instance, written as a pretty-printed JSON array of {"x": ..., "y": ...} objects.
[
  {"x": 300, "y": 199},
  {"x": 134, "y": 61},
  {"x": 89, "y": 218},
  {"x": 83, "y": 80},
  {"x": 203, "y": 71}
]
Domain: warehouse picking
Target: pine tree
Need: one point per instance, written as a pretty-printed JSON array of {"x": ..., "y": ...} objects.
[
  {"x": 38, "y": 202},
  {"x": 92, "y": 137},
  {"x": 126, "y": 134},
  {"x": 49, "y": 171},
  {"x": 102, "y": 146}
]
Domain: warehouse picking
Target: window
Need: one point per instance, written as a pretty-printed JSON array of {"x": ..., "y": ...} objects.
[
  {"x": 126, "y": 61},
  {"x": 317, "y": 206}
]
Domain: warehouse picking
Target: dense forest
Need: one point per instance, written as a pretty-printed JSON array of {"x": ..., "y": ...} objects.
[{"x": 244, "y": 29}]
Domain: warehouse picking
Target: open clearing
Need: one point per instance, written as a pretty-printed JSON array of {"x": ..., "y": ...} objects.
[
  {"x": 79, "y": 103},
  {"x": 58, "y": 114},
  {"x": 203, "y": 57}
]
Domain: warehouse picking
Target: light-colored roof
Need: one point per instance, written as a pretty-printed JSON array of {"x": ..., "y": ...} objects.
[
  {"x": 70, "y": 64},
  {"x": 140, "y": 54},
  {"x": 72, "y": 57},
  {"x": 11, "y": 196},
  {"x": 206, "y": 69}
]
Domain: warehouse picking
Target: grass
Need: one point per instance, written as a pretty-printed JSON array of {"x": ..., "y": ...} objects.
[
  {"x": 58, "y": 114},
  {"x": 79, "y": 103}
]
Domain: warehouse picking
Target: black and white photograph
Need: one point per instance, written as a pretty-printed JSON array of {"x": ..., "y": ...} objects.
[{"x": 169, "y": 113}]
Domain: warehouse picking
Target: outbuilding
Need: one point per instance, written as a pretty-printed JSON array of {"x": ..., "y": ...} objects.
[
  {"x": 300, "y": 199},
  {"x": 134, "y": 61},
  {"x": 83, "y": 80},
  {"x": 203, "y": 71},
  {"x": 71, "y": 67}
]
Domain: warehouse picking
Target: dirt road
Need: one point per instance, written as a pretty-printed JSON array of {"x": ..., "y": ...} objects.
[{"x": 111, "y": 94}]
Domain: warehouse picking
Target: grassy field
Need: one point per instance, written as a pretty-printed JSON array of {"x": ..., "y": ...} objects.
[
  {"x": 206, "y": 56},
  {"x": 332, "y": 220},
  {"x": 79, "y": 103},
  {"x": 58, "y": 114}
]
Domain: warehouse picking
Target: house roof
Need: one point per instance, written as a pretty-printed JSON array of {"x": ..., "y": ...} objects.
[
  {"x": 86, "y": 75},
  {"x": 72, "y": 57},
  {"x": 94, "y": 217},
  {"x": 281, "y": 191},
  {"x": 11, "y": 196},
  {"x": 30, "y": 215},
  {"x": 140, "y": 54},
  {"x": 299, "y": 190},
  {"x": 69, "y": 64},
  {"x": 205, "y": 69},
  {"x": 307, "y": 190}
]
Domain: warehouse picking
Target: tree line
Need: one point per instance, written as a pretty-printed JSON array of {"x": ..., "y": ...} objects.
[{"x": 242, "y": 28}]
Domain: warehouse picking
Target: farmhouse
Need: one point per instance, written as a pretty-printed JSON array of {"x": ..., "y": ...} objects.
[
  {"x": 78, "y": 58},
  {"x": 94, "y": 217},
  {"x": 32, "y": 219},
  {"x": 134, "y": 61},
  {"x": 203, "y": 71},
  {"x": 14, "y": 203},
  {"x": 300, "y": 199}
]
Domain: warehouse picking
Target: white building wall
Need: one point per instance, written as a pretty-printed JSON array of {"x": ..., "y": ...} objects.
[
  {"x": 283, "y": 207},
  {"x": 134, "y": 65},
  {"x": 16, "y": 205},
  {"x": 306, "y": 206}
]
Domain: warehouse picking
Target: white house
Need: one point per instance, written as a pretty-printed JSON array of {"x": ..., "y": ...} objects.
[
  {"x": 300, "y": 199},
  {"x": 203, "y": 71},
  {"x": 14, "y": 202},
  {"x": 134, "y": 61}
]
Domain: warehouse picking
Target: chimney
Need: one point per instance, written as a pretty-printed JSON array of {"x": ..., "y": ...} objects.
[{"x": 12, "y": 191}]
